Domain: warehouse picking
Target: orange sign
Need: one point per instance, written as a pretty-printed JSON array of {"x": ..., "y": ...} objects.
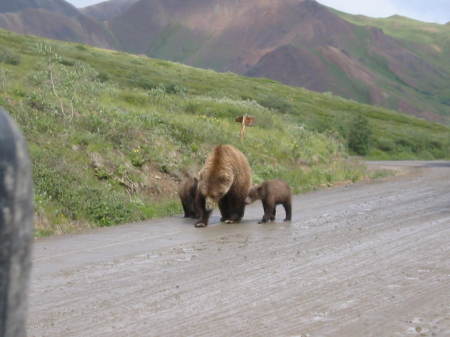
[{"x": 247, "y": 120}]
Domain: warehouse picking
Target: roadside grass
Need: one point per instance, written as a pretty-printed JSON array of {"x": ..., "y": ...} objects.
[
  {"x": 111, "y": 134},
  {"x": 382, "y": 173}
]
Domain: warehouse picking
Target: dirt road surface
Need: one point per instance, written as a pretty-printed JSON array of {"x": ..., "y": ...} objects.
[{"x": 370, "y": 259}]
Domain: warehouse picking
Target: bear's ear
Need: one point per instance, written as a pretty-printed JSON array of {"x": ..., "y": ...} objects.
[
  {"x": 259, "y": 188},
  {"x": 254, "y": 188}
]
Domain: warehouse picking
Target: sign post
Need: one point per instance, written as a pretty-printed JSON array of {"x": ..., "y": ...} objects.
[{"x": 245, "y": 121}]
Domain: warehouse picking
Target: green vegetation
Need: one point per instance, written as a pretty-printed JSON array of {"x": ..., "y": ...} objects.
[
  {"x": 9, "y": 57},
  {"x": 430, "y": 40},
  {"x": 359, "y": 135},
  {"x": 112, "y": 134},
  {"x": 417, "y": 88}
]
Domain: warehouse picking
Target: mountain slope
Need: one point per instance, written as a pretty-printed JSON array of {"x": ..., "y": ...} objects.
[
  {"x": 251, "y": 28},
  {"x": 298, "y": 42},
  {"x": 108, "y": 10},
  {"x": 55, "y": 19},
  {"x": 431, "y": 42},
  {"x": 63, "y": 7},
  {"x": 397, "y": 63}
]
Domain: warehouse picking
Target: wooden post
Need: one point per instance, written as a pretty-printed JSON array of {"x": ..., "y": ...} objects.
[
  {"x": 16, "y": 221},
  {"x": 245, "y": 121},
  {"x": 242, "y": 134}
]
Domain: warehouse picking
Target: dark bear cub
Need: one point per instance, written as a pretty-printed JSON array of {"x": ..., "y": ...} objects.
[
  {"x": 187, "y": 192},
  {"x": 272, "y": 193}
]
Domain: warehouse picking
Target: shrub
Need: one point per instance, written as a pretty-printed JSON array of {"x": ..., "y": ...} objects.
[
  {"x": 108, "y": 211},
  {"x": 66, "y": 62},
  {"x": 9, "y": 57},
  {"x": 276, "y": 103},
  {"x": 385, "y": 145},
  {"x": 359, "y": 135},
  {"x": 144, "y": 83},
  {"x": 171, "y": 88},
  {"x": 134, "y": 98},
  {"x": 103, "y": 77}
]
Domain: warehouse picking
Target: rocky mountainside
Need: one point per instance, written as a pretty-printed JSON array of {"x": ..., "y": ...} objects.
[
  {"x": 297, "y": 42},
  {"x": 12, "y": 6},
  {"x": 108, "y": 10},
  {"x": 56, "y": 19}
]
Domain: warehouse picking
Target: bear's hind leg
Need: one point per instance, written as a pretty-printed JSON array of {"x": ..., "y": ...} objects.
[
  {"x": 272, "y": 218},
  {"x": 288, "y": 210},
  {"x": 185, "y": 209}
]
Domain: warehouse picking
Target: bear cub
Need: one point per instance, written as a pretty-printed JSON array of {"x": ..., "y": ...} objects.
[
  {"x": 187, "y": 193},
  {"x": 272, "y": 193}
]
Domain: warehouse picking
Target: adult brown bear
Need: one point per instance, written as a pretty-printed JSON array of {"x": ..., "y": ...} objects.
[{"x": 225, "y": 179}]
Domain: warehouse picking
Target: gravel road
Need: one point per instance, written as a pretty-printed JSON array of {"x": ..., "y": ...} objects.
[{"x": 370, "y": 259}]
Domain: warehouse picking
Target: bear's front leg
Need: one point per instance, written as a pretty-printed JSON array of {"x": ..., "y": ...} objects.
[
  {"x": 265, "y": 218},
  {"x": 238, "y": 213},
  {"x": 268, "y": 212},
  {"x": 224, "y": 208},
  {"x": 203, "y": 213},
  {"x": 203, "y": 222}
]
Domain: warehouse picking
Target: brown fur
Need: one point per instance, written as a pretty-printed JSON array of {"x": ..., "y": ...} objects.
[
  {"x": 272, "y": 193},
  {"x": 187, "y": 192},
  {"x": 225, "y": 179}
]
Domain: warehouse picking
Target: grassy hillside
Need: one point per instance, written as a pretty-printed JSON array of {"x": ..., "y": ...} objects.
[
  {"x": 111, "y": 134},
  {"x": 434, "y": 38},
  {"x": 430, "y": 41}
]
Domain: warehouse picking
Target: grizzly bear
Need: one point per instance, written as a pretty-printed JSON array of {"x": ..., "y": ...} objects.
[
  {"x": 187, "y": 192},
  {"x": 225, "y": 179},
  {"x": 272, "y": 193}
]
